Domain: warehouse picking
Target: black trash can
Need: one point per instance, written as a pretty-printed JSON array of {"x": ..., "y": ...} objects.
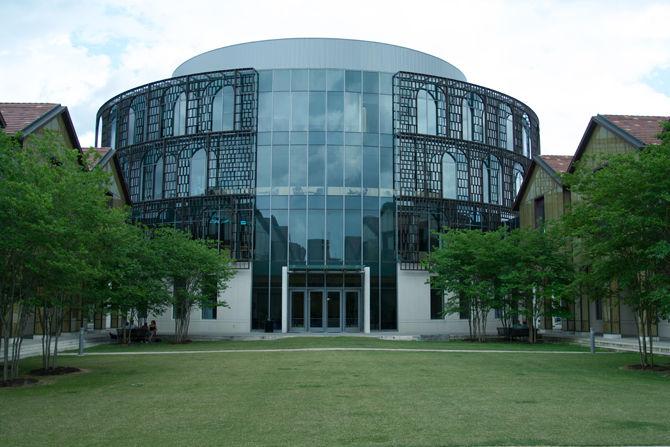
[{"x": 269, "y": 326}]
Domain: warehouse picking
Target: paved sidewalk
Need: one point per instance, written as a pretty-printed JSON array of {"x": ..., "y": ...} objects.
[
  {"x": 627, "y": 344},
  {"x": 32, "y": 347},
  {"x": 230, "y": 351}
]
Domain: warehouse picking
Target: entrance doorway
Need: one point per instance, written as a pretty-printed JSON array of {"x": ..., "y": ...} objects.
[{"x": 325, "y": 310}]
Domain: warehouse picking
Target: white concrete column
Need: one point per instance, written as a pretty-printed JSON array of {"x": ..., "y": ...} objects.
[
  {"x": 284, "y": 299},
  {"x": 366, "y": 300}
]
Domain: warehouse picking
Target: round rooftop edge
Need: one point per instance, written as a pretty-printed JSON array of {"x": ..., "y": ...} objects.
[{"x": 316, "y": 53}]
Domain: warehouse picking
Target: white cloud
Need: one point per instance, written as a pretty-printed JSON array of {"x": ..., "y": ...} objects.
[{"x": 568, "y": 60}]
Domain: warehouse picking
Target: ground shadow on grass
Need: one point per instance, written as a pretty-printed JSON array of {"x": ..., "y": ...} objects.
[{"x": 58, "y": 371}]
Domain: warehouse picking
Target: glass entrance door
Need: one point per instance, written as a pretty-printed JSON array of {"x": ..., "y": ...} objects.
[
  {"x": 316, "y": 310},
  {"x": 298, "y": 309},
  {"x": 333, "y": 311},
  {"x": 352, "y": 315}
]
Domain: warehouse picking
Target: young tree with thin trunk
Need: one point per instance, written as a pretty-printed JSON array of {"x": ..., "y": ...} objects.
[{"x": 621, "y": 229}]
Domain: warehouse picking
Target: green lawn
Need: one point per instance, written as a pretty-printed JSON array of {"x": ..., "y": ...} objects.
[{"x": 340, "y": 398}]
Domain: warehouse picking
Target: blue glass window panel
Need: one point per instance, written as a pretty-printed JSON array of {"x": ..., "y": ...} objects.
[
  {"x": 352, "y": 202},
  {"x": 353, "y": 81},
  {"x": 386, "y": 114},
  {"x": 263, "y": 165},
  {"x": 386, "y": 83},
  {"x": 335, "y": 166},
  {"x": 264, "y": 112},
  {"x": 386, "y": 168},
  {"x": 316, "y": 137},
  {"x": 263, "y": 202},
  {"x": 317, "y": 166},
  {"x": 298, "y": 202},
  {"x": 298, "y": 165},
  {"x": 265, "y": 81},
  {"x": 281, "y": 81},
  {"x": 353, "y": 139},
  {"x": 223, "y": 110},
  {"x": 335, "y": 236},
  {"x": 386, "y": 140},
  {"x": 279, "y": 202},
  {"x": 281, "y": 110},
  {"x": 262, "y": 236},
  {"x": 335, "y": 138},
  {"x": 352, "y": 237},
  {"x": 334, "y": 202},
  {"x": 264, "y": 138},
  {"x": 317, "y": 80},
  {"x": 315, "y": 236},
  {"x": 280, "y": 166},
  {"x": 370, "y": 203},
  {"x": 387, "y": 229},
  {"x": 280, "y": 138},
  {"x": 335, "y": 111},
  {"x": 371, "y": 139},
  {"x": 352, "y": 166},
  {"x": 352, "y": 112},
  {"x": 370, "y": 82},
  {"x": 370, "y": 113},
  {"x": 300, "y": 111},
  {"x": 370, "y": 167},
  {"x": 371, "y": 235},
  {"x": 316, "y": 202},
  {"x": 298, "y": 236},
  {"x": 317, "y": 111},
  {"x": 299, "y": 80},
  {"x": 335, "y": 80},
  {"x": 279, "y": 239},
  {"x": 299, "y": 137}
]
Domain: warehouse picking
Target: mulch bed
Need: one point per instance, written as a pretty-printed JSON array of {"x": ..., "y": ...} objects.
[
  {"x": 58, "y": 371},
  {"x": 17, "y": 382}
]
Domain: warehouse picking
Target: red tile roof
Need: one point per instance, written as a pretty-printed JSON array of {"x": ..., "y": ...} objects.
[
  {"x": 644, "y": 128},
  {"x": 18, "y": 116},
  {"x": 558, "y": 163}
]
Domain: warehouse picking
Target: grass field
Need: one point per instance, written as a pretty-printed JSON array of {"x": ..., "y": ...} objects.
[{"x": 350, "y": 398}]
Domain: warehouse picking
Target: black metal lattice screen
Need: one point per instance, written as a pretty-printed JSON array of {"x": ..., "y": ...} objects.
[{"x": 480, "y": 132}]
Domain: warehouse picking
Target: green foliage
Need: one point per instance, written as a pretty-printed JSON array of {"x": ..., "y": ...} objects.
[
  {"x": 622, "y": 230},
  {"x": 197, "y": 272},
  {"x": 523, "y": 271}
]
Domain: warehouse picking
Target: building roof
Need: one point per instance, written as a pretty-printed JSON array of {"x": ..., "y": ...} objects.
[
  {"x": 638, "y": 131},
  {"x": 101, "y": 151},
  {"x": 559, "y": 163},
  {"x": 554, "y": 165},
  {"x": 644, "y": 128},
  {"x": 18, "y": 116},
  {"x": 319, "y": 53},
  {"x": 31, "y": 116}
]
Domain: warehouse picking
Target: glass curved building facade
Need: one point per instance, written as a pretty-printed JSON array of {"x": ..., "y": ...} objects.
[{"x": 324, "y": 166}]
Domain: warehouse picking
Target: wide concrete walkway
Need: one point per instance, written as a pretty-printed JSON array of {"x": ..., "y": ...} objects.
[{"x": 628, "y": 344}]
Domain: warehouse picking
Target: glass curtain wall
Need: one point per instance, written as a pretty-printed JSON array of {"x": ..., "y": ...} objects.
[{"x": 324, "y": 184}]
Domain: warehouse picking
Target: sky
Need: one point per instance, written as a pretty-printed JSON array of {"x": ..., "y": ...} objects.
[{"x": 566, "y": 59}]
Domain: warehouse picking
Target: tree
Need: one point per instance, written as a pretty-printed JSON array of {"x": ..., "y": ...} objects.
[
  {"x": 621, "y": 227},
  {"x": 468, "y": 265},
  {"x": 538, "y": 274},
  {"x": 196, "y": 271}
]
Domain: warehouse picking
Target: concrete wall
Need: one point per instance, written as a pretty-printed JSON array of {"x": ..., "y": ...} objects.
[
  {"x": 232, "y": 320},
  {"x": 414, "y": 309}
]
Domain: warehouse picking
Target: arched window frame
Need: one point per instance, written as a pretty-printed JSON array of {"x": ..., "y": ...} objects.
[
  {"x": 518, "y": 172},
  {"x": 223, "y": 109},
  {"x": 130, "y": 129},
  {"x": 198, "y": 173},
  {"x": 505, "y": 127},
  {"x": 472, "y": 113},
  {"x": 179, "y": 115},
  {"x": 112, "y": 128},
  {"x": 492, "y": 180},
  {"x": 526, "y": 143},
  {"x": 426, "y": 112},
  {"x": 159, "y": 174},
  {"x": 449, "y": 167}
]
